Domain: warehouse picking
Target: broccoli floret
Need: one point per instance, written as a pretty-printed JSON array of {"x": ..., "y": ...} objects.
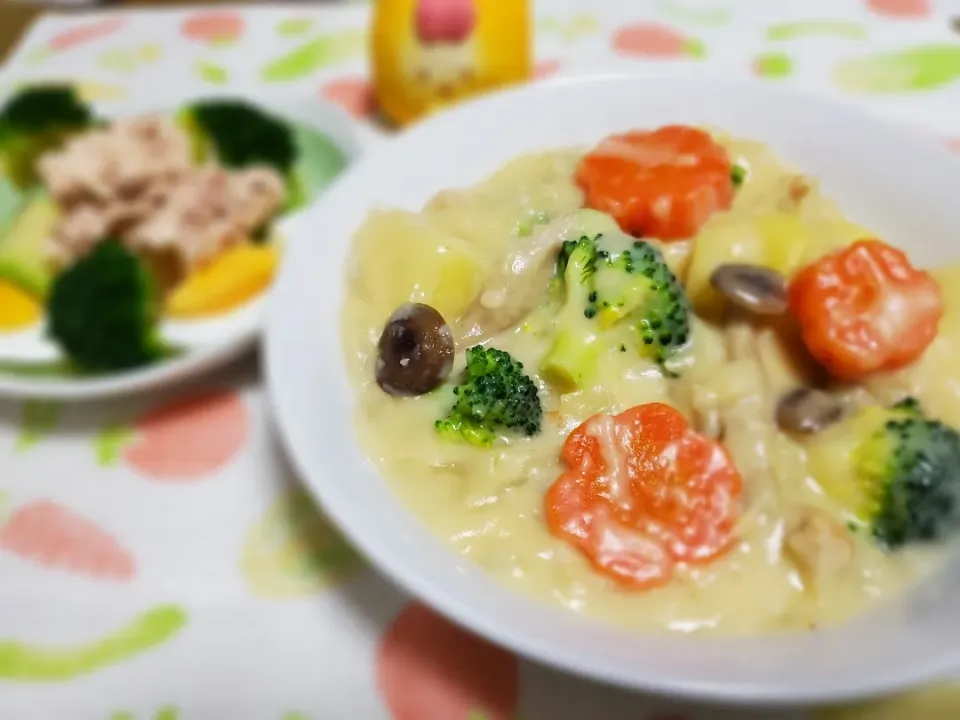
[
  {"x": 909, "y": 473},
  {"x": 494, "y": 395},
  {"x": 738, "y": 175},
  {"x": 894, "y": 470},
  {"x": 240, "y": 135},
  {"x": 638, "y": 283},
  {"x": 103, "y": 311},
  {"x": 605, "y": 284},
  {"x": 34, "y": 121}
]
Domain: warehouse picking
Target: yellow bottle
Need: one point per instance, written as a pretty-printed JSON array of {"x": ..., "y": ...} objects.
[{"x": 426, "y": 54}]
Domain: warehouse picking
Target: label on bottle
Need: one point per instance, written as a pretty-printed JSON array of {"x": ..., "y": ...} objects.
[{"x": 429, "y": 53}]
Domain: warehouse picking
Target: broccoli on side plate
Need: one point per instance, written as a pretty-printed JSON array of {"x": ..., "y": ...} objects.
[
  {"x": 895, "y": 470},
  {"x": 610, "y": 279},
  {"x": 240, "y": 135},
  {"x": 103, "y": 312},
  {"x": 494, "y": 396},
  {"x": 35, "y": 120}
]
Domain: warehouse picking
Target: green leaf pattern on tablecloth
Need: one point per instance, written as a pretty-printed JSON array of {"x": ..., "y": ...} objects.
[
  {"x": 109, "y": 443},
  {"x": 816, "y": 28},
  {"x": 22, "y": 661},
  {"x": 920, "y": 68},
  {"x": 293, "y": 551},
  {"x": 211, "y": 72},
  {"x": 294, "y": 27},
  {"x": 685, "y": 13},
  {"x": 167, "y": 712},
  {"x": 773, "y": 65},
  {"x": 127, "y": 60},
  {"x": 290, "y": 551},
  {"x": 318, "y": 54},
  {"x": 37, "y": 419},
  {"x": 570, "y": 28}
]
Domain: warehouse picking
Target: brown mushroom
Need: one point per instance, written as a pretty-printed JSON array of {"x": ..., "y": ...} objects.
[
  {"x": 757, "y": 289},
  {"x": 806, "y": 411},
  {"x": 415, "y": 353}
]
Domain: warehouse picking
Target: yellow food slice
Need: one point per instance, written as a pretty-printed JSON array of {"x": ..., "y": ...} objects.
[
  {"x": 18, "y": 310},
  {"x": 238, "y": 275}
]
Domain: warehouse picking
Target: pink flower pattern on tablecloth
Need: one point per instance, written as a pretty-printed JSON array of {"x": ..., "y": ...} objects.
[
  {"x": 904, "y": 9},
  {"x": 214, "y": 27},
  {"x": 430, "y": 669},
  {"x": 86, "y": 33},
  {"x": 653, "y": 40},
  {"x": 185, "y": 440},
  {"x": 353, "y": 93},
  {"x": 51, "y": 535}
]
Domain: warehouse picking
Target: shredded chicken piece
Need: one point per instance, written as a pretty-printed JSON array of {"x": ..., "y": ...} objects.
[
  {"x": 208, "y": 211},
  {"x": 84, "y": 224},
  {"x": 890, "y": 387},
  {"x": 817, "y": 544},
  {"x": 783, "y": 369},
  {"x": 116, "y": 162},
  {"x": 747, "y": 421},
  {"x": 135, "y": 181},
  {"x": 514, "y": 288}
]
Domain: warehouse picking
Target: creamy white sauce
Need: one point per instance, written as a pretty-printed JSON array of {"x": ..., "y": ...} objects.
[{"x": 489, "y": 504}]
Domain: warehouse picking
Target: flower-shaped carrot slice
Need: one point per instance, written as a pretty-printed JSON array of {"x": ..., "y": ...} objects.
[
  {"x": 643, "y": 491},
  {"x": 663, "y": 184},
  {"x": 865, "y": 308}
]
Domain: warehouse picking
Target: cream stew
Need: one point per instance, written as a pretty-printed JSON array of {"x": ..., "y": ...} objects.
[{"x": 708, "y": 455}]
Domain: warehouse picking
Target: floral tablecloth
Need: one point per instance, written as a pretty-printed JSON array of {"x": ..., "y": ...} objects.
[{"x": 157, "y": 559}]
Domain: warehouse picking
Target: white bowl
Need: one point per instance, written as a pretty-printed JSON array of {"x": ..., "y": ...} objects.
[
  {"x": 208, "y": 342},
  {"x": 894, "y": 180}
]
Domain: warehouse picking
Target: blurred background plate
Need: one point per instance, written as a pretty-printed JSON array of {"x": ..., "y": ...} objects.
[{"x": 31, "y": 366}]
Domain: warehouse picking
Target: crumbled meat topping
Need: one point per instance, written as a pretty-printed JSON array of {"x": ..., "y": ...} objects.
[
  {"x": 817, "y": 544},
  {"x": 135, "y": 180},
  {"x": 209, "y": 210},
  {"x": 116, "y": 162}
]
